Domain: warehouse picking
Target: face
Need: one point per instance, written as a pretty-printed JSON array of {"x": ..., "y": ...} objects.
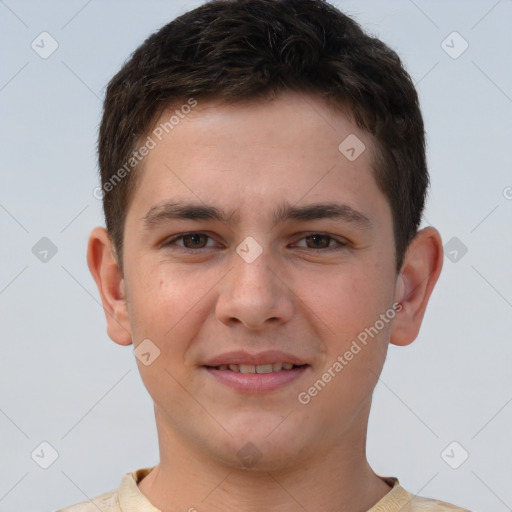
[{"x": 252, "y": 240}]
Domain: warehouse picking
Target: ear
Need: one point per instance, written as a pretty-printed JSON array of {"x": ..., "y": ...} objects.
[
  {"x": 419, "y": 273},
  {"x": 105, "y": 270}
]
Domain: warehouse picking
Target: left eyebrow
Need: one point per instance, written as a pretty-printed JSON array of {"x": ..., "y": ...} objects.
[
  {"x": 172, "y": 210},
  {"x": 316, "y": 211}
]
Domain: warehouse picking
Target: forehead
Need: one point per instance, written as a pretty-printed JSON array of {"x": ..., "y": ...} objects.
[{"x": 292, "y": 148}]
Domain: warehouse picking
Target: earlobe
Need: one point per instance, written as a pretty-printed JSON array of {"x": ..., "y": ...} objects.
[
  {"x": 109, "y": 280},
  {"x": 420, "y": 271}
]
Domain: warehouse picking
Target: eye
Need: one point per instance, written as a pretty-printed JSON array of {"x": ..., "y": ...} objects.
[
  {"x": 195, "y": 241},
  {"x": 190, "y": 240},
  {"x": 321, "y": 242}
]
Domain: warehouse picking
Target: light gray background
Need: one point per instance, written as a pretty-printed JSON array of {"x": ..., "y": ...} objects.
[{"x": 64, "y": 382}]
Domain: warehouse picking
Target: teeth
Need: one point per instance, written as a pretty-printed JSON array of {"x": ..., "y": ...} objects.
[
  {"x": 247, "y": 368},
  {"x": 251, "y": 368},
  {"x": 264, "y": 368}
]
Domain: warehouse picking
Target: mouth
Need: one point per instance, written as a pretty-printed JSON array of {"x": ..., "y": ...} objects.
[
  {"x": 256, "y": 374},
  {"x": 259, "y": 369}
]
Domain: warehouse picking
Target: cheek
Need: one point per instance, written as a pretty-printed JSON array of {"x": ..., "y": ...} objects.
[
  {"x": 153, "y": 301},
  {"x": 351, "y": 302},
  {"x": 347, "y": 300},
  {"x": 167, "y": 304}
]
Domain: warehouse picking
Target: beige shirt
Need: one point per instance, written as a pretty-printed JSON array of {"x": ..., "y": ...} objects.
[{"x": 128, "y": 498}]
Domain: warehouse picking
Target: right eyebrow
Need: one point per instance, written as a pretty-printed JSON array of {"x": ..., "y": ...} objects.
[{"x": 172, "y": 210}]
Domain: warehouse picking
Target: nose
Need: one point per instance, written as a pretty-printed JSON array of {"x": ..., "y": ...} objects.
[{"x": 255, "y": 293}]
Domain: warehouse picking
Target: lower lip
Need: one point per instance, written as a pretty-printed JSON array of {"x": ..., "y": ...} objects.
[{"x": 257, "y": 382}]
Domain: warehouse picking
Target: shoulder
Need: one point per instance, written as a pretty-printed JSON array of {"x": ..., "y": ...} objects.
[
  {"x": 128, "y": 494},
  {"x": 107, "y": 502},
  {"x": 420, "y": 504},
  {"x": 398, "y": 499}
]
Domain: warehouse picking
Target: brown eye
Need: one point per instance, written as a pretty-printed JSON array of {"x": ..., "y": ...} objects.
[
  {"x": 322, "y": 243},
  {"x": 191, "y": 242},
  {"x": 194, "y": 240},
  {"x": 319, "y": 241}
]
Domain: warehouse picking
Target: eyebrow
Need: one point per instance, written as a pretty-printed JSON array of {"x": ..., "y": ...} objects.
[{"x": 175, "y": 210}]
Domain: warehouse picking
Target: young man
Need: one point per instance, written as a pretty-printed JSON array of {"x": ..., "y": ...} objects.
[{"x": 263, "y": 177}]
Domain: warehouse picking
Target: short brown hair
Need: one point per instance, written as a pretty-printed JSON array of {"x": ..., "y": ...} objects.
[{"x": 239, "y": 50}]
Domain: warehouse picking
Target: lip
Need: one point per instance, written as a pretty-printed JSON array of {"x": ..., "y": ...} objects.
[
  {"x": 266, "y": 357},
  {"x": 257, "y": 382}
]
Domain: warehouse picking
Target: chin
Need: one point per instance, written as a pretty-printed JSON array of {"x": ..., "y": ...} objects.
[
  {"x": 263, "y": 443},
  {"x": 260, "y": 457}
]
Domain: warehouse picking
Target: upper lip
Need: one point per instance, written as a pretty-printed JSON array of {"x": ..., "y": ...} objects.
[{"x": 266, "y": 357}]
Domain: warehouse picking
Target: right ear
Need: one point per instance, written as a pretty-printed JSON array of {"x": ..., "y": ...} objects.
[{"x": 105, "y": 270}]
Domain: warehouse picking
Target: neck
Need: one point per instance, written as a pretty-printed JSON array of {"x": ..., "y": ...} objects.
[{"x": 340, "y": 479}]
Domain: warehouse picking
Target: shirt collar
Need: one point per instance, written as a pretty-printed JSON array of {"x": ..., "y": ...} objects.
[
  {"x": 132, "y": 500},
  {"x": 396, "y": 500},
  {"x": 130, "y": 497}
]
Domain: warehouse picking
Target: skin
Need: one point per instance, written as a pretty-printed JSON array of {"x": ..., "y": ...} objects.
[{"x": 194, "y": 304}]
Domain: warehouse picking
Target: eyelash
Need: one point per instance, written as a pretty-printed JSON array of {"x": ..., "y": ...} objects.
[{"x": 341, "y": 244}]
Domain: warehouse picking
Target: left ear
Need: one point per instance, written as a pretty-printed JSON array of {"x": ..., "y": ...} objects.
[{"x": 421, "y": 268}]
